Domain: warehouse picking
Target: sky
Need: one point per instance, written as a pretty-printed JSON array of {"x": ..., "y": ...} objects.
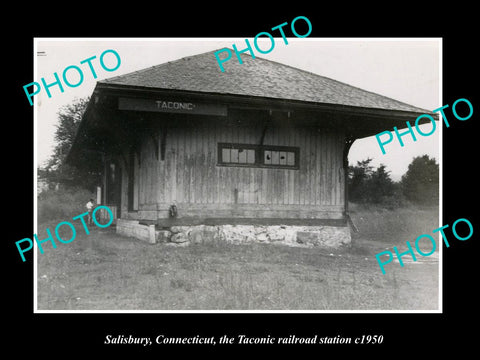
[{"x": 408, "y": 70}]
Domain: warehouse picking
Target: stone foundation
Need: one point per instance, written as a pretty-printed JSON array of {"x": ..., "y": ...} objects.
[{"x": 324, "y": 236}]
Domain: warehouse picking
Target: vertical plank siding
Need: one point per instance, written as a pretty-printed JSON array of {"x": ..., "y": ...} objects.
[{"x": 189, "y": 173}]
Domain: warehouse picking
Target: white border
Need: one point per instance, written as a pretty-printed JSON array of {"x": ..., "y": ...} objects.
[
  {"x": 440, "y": 162},
  {"x": 440, "y": 294},
  {"x": 35, "y": 177}
]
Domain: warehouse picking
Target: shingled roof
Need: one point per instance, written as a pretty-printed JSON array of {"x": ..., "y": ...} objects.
[{"x": 255, "y": 77}]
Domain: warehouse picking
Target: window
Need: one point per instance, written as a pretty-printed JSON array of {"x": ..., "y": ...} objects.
[
  {"x": 258, "y": 155},
  {"x": 274, "y": 157},
  {"x": 238, "y": 155}
]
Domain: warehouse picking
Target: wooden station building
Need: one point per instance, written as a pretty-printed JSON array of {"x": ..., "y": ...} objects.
[{"x": 261, "y": 143}]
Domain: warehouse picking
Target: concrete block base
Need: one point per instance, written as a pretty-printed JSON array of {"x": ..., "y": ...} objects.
[
  {"x": 306, "y": 236},
  {"x": 135, "y": 229}
]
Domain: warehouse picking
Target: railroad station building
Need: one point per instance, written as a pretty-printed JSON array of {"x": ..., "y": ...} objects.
[{"x": 260, "y": 149}]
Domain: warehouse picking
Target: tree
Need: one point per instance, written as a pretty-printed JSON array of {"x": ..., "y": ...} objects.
[
  {"x": 367, "y": 185},
  {"x": 357, "y": 177},
  {"x": 420, "y": 184},
  {"x": 379, "y": 186},
  {"x": 56, "y": 171}
]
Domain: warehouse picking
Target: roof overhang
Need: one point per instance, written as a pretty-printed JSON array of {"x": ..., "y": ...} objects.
[{"x": 359, "y": 122}]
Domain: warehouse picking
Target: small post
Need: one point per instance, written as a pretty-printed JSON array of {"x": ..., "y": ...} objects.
[{"x": 151, "y": 234}]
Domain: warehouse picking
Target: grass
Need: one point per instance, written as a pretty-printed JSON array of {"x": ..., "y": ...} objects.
[
  {"x": 104, "y": 271},
  {"x": 393, "y": 226},
  {"x": 62, "y": 204}
]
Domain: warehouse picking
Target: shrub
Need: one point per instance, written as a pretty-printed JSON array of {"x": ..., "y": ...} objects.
[{"x": 62, "y": 204}]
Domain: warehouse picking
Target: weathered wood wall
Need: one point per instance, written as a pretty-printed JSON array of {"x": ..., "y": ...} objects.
[{"x": 190, "y": 177}]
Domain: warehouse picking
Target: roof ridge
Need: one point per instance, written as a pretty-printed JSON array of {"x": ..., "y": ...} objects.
[
  {"x": 155, "y": 66},
  {"x": 290, "y": 82}
]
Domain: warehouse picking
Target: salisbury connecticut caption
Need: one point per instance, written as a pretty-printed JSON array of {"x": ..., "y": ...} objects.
[{"x": 242, "y": 340}]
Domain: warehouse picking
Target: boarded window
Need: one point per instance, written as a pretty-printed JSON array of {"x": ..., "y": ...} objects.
[{"x": 258, "y": 155}]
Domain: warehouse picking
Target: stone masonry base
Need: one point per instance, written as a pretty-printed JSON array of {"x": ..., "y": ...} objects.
[{"x": 324, "y": 236}]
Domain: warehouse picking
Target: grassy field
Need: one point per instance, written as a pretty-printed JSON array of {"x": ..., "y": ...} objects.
[{"x": 104, "y": 271}]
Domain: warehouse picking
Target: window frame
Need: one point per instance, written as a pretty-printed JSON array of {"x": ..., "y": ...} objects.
[{"x": 259, "y": 155}]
